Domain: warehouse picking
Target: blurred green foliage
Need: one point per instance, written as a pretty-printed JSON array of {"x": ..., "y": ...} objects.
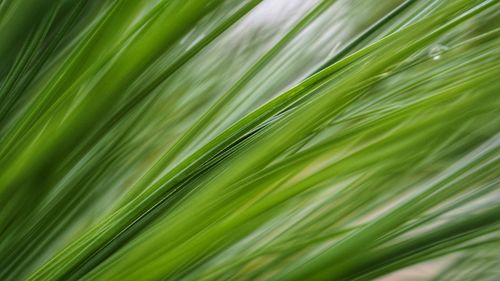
[{"x": 249, "y": 140}]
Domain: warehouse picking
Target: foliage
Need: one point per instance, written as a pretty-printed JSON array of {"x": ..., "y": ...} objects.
[{"x": 206, "y": 140}]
